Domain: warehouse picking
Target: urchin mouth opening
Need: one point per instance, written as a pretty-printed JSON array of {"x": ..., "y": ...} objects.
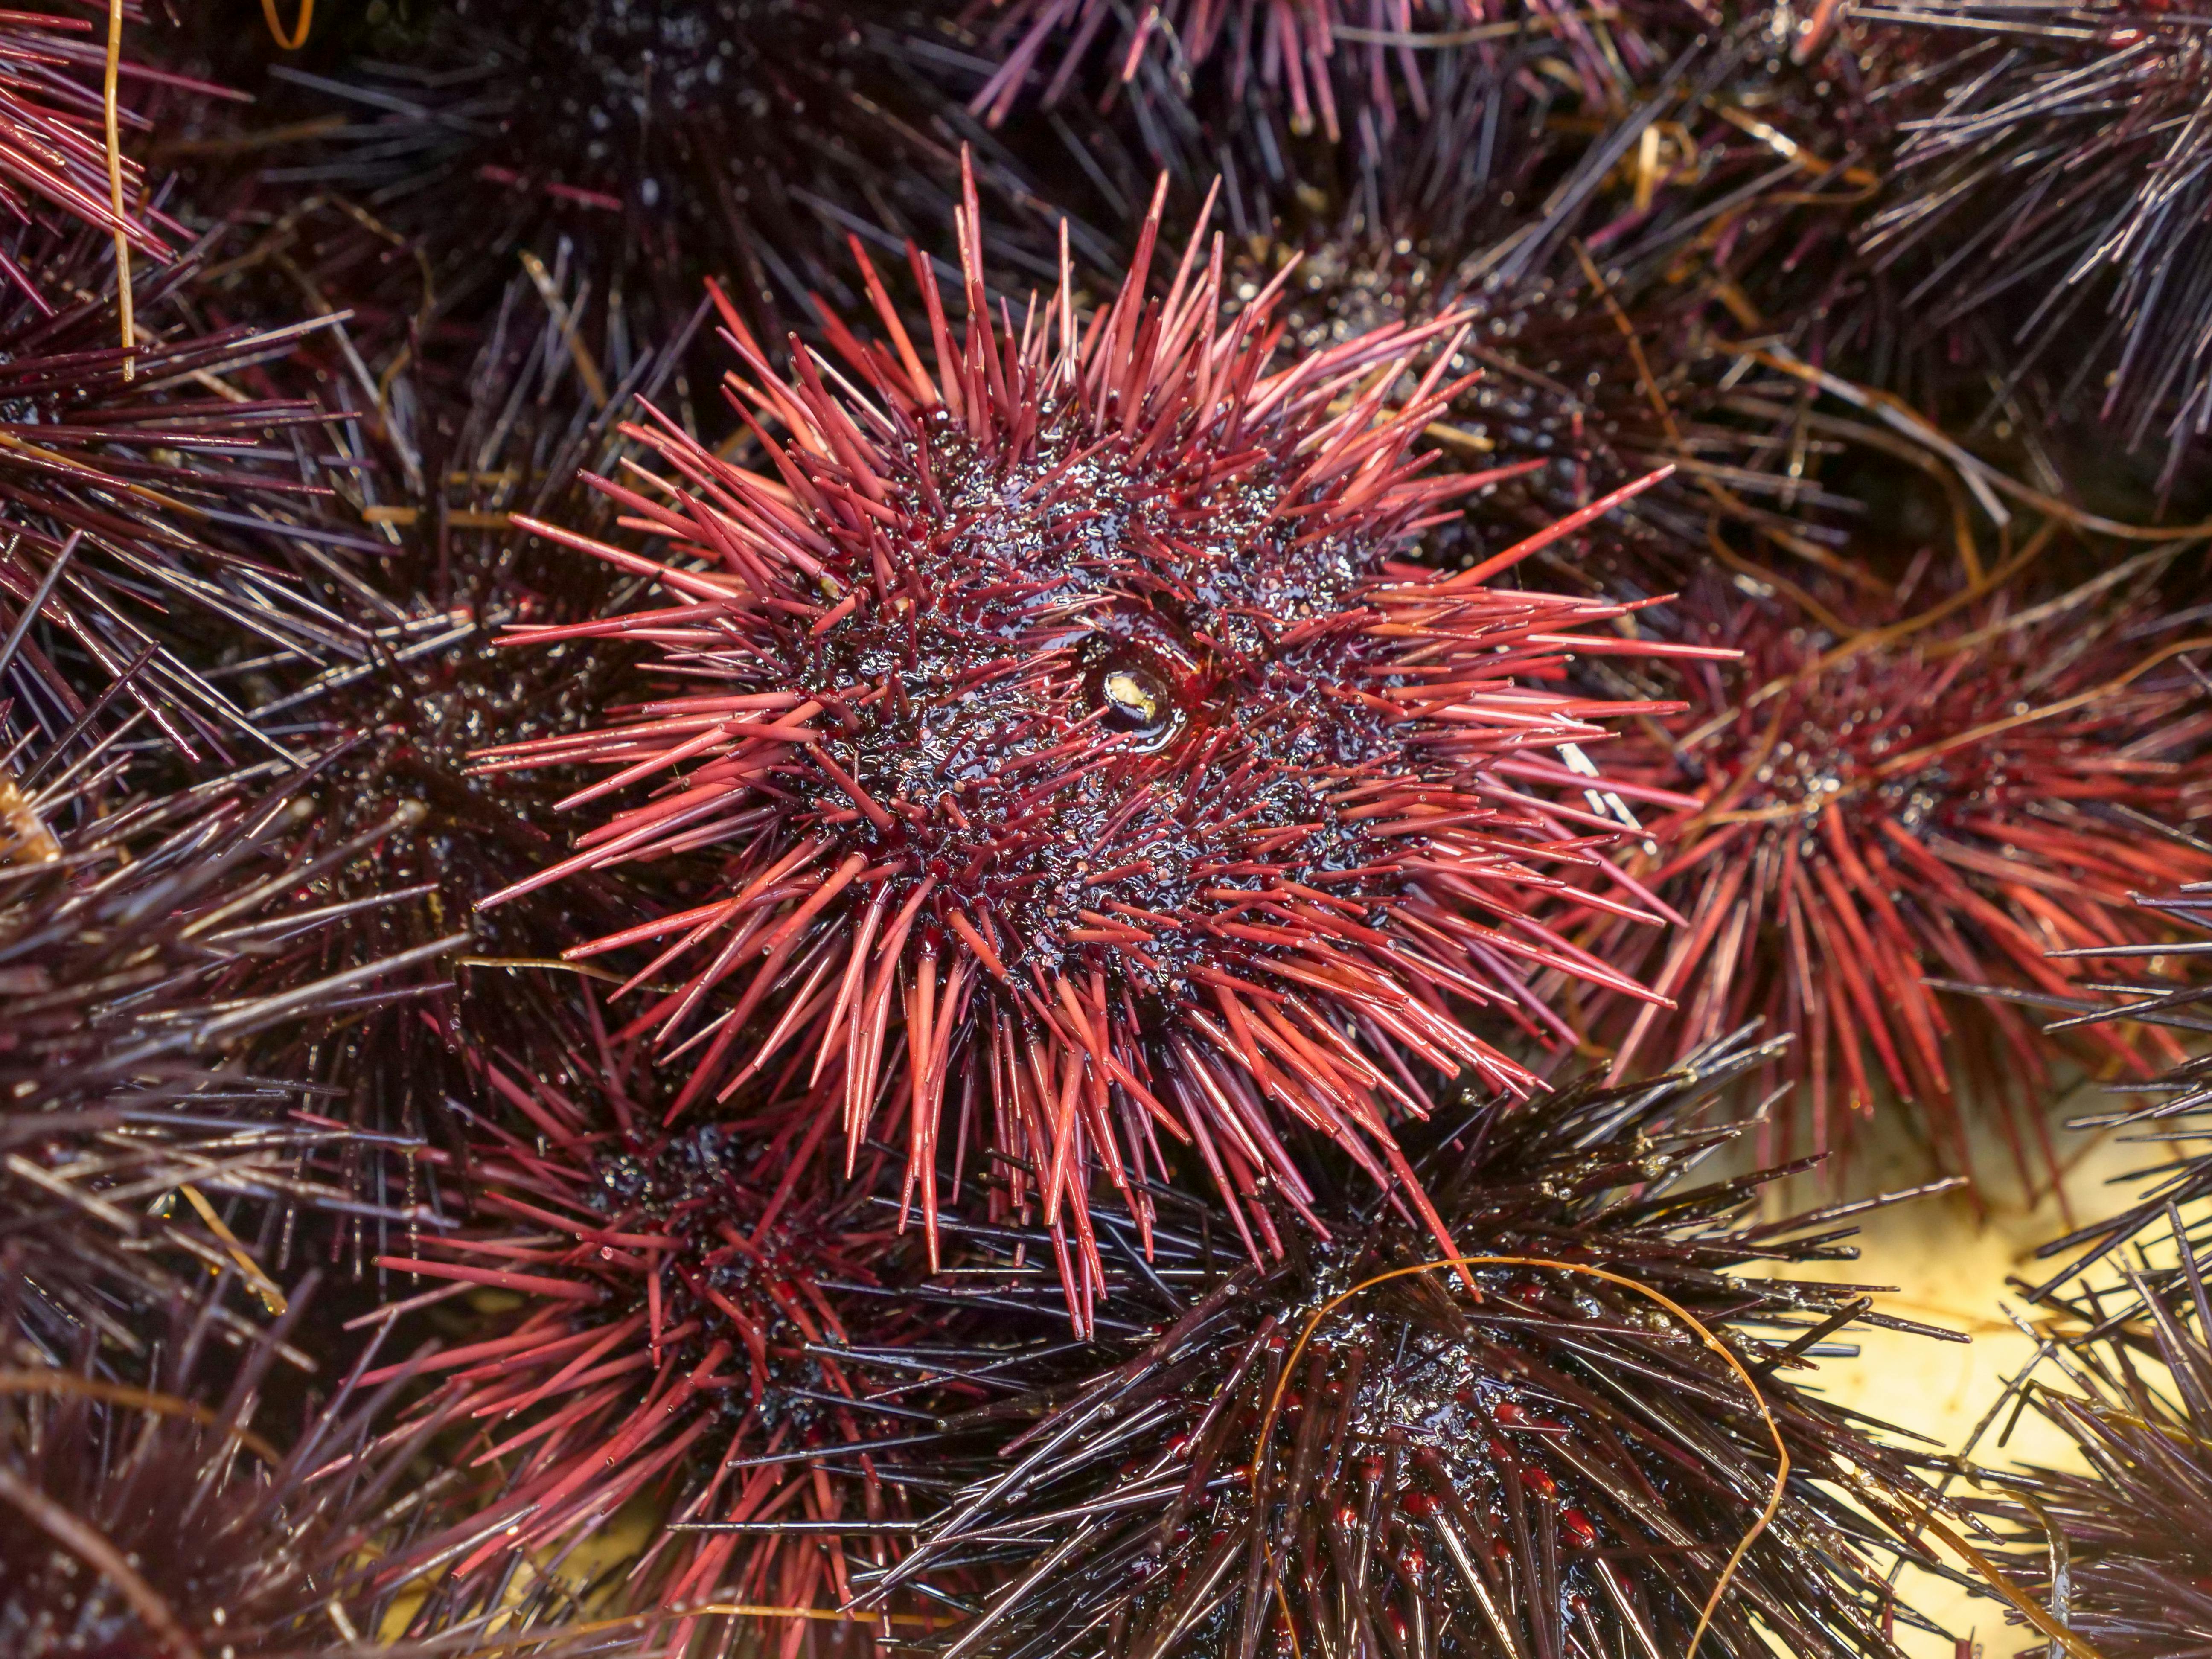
[{"x": 1135, "y": 701}]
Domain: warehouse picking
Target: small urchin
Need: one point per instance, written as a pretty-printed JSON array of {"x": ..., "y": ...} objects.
[
  {"x": 1903, "y": 799},
  {"x": 1082, "y": 762},
  {"x": 694, "y": 1321}
]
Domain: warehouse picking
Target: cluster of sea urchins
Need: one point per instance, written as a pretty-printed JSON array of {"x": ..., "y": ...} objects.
[
  {"x": 923, "y": 997},
  {"x": 1082, "y": 762}
]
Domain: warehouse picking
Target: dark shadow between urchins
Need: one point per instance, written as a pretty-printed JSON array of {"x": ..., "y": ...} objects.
[{"x": 1549, "y": 1462}]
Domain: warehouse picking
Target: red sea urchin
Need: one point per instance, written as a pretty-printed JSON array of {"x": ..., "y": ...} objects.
[
  {"x": 1305, "y": 53},
  {"x": 1941, "y": 795},
  {"x": 681, "y": 1332},
  {"x": 1068, "y": 727}
]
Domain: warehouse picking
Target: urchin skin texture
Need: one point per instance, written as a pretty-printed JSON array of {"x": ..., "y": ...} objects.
[
  {"x": 1525, "y": 1461},
  {"x": 1939, "y": 802},
  {"x": 1083, "y": 764},
  {"x": 688, "y": 1327}
]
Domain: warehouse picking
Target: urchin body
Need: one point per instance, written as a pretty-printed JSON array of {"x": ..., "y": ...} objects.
[
  {"x": 1072, "y": 727},
  {"x": 1360, "y": 1444},
  {"x": 686, "y": 1330}
]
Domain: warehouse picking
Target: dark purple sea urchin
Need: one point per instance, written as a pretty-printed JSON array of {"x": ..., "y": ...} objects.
[
  {"x": 1342, "y": 1453},
  {"x": 1082, "y": 763},
  {"x": 2116, "y": 1547},
  {"x": 161, "y": 948},
  {"x": 143, "y": 1522},
  {"x": 1311, "y": 55},
  {"x": 657, "y": 141},
  {"x": 2055, "y": 174}
]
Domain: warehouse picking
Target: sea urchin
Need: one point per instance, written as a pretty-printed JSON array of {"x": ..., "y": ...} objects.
[
  {"x": 1081, "y": 760},
  {"x": 1356, "y": 1451},
  {"x": 1901, "y": 799},
  {"x": 681, "y": 1332}
]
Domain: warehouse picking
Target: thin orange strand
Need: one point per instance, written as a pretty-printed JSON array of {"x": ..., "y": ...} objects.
[
  {"x": 299, "y": 33},
  {"x": 115, "y": 181},
  {"x": 1463, "y": 1262}
]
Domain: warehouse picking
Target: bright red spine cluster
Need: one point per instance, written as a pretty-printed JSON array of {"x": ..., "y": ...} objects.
[
  {"x": 1914, "y": 810},
  {"x": 1083, "y": 765},
  {"x": 676, "y": 1337}
]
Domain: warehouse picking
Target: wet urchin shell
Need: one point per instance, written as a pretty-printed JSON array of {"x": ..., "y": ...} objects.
[
  {"x": 1322, "y": 1454},
  {"x": 1084, "y": 767}
]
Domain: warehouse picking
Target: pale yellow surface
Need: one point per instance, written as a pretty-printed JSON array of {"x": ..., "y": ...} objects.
[{"x": 1951, "y": 1262}]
